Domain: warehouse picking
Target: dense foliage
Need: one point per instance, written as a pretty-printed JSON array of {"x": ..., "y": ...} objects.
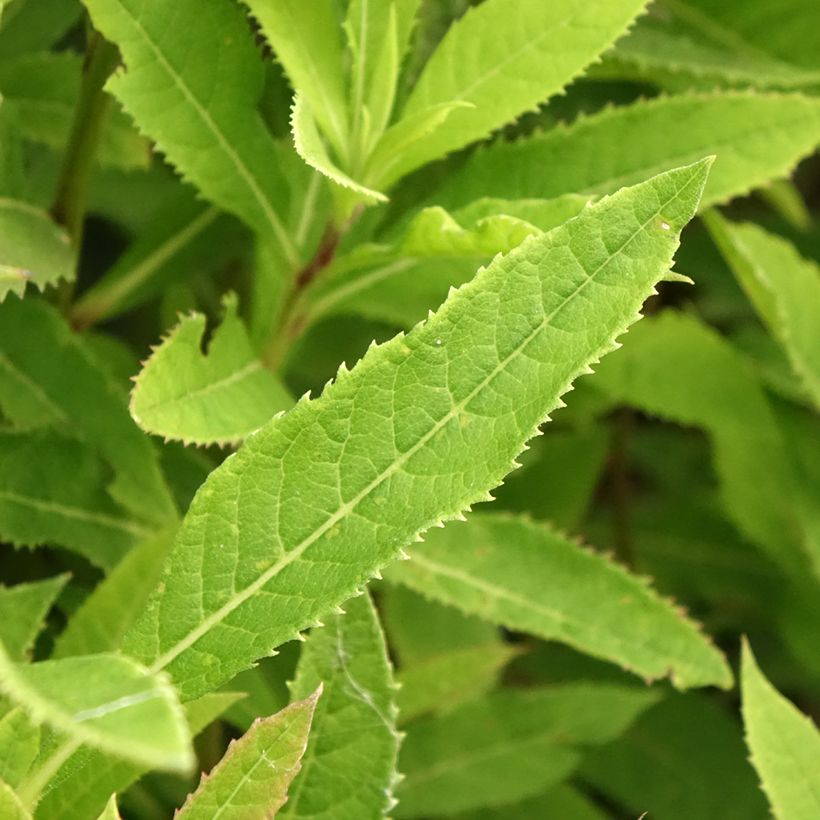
[{"x": 430, "y": 219}]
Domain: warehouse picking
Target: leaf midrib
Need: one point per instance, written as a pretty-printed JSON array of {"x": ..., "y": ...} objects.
[{"x": 345, "y": 509}]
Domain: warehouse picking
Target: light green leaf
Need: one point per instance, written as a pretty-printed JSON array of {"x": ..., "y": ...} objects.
[
  {"x": 349, "y": 768},
  {"x": 784, "y": 744},
  {"x": 527, "y": 577},
  {"x": 783, "y": 287},
  {"x": 252, "y": 779},
  {"x": 109, "y": 611},
  {"x": 216, "y": 138},
  {"x": 257, "y": 585},
  {"x": 505, "y": 58},
  {"x": 83, "y": 784},
  {"x": 107, "y": 701},
  {"x": 684, "y": 739},
  {"x": 308, "y": 143},
  {"x": 655, "y": 372},
  {"x": 305, "y": 37},
  {"x": 44, "y": 88},
  {"x": 58, "y": 383},
  {"x": 63, "y": 503},
  {"x": 19, "y": 745},
  {"x": 10, "y": 806},
  {"x": 111, "y": 812},
  {"x": 33, "y": 248},
  {"x": 511, "y": 745},
  {"x": 217, "y": 397},
  {"x": 757, "y": 138},
  {"x": 22, "y": 610}
]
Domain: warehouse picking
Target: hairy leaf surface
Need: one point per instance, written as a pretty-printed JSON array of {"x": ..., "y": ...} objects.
[
  {"x": 504, "y": 58},
  {"x": 527, "y": 577},
  {"x": 216, "y": 136},
  {"x": 252, "y": 779},
  {"x": 216, "y": 397},
  {"x": 784, "y": 744},
  {"x": 349, "y": 768},
  {"x": 318, "y": 500},
  {"x": 757, "y": 138},
  {"x": 510, "y": 745}
]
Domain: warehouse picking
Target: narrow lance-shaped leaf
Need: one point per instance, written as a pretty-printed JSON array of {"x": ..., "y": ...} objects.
[
  {"x": 107, "y": 701},
  {"x": 82, "y": 785},
  {"x": 784, "y": 744},
  {"x": 217, "y": 397},
  {"x": 349, "y": 768},
  {"x": 216, "y": 137},
  {"x": 320, "y": 499},
  {"x": 22, "y": 610},
  {"x": 527, "y": 577},
  {"x": 784, "y": 288},
  {"x": 504, "y": 58},
  {"x": 252, "y": 779},
  {"x": 510, "y": 745},
  {"x": 757, "y": 138}
]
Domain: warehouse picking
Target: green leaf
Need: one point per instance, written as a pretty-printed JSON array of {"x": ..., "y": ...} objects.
[
  {"x": 10, "y": 806},
  {"x": 111, "y": 812},
  {"x": 504, "y": 58},
  {"x": 83, "y": 784},
  {"x": 216, "y": 397},
  {"x": 22, "y": 610},
  {"x": 57, "y": 383},
  {"x": 528, "y": 578},
  {"x": 31, "y": 26},
  {"x": 336, "y": 478},
  {"x": 784, "y": 744},
  {"x": 305, "y": 37},
  {"x": 44, "y": 88},
  {"x": 564, "y": 801},
  {"x": 308, "y": 143},
  {"x": 684, "y": 739},
  {"x": 349, "y": 767},
  {"x": 107, "y": 701},
  {"x": 102, "y": 619},
  {"x": 53, "y": 491},
  {"x": 511, "y": 745},
  {"x": 19, "y": 745},
  {"x": 784, "y": 288},
  {"x": 252, "y": 779},
  {"x": 216, "y": 138},
  {"x": 757, "y": 138},
  {"x": 655, "y": 372}
]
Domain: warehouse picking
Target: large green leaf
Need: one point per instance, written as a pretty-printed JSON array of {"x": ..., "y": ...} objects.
[
  {"x": 320, "y": 499},
  {"x": 504, "y": 58},
  {"x": 757, "y": 138},
  {"x": 349, "y": 768},
  {"x": 529, "y": 578},
  {"x": 510, "y": 745},
  {"x": 784, "y": 744},
  {"x": 251, "y": 781},
  {"x": 784, "y": 288},
  {"x": 564, "y": 802},
  {"x": 683, "y": 740},
  {"x": 23, "y": 608},
  {"x": 217, "y": 397},
  {"x": 107, "y": 701},
  {"x": 58, "y": 383},
  {"x": 53, "y": 491},
  {"x": 216, "y": 136}
]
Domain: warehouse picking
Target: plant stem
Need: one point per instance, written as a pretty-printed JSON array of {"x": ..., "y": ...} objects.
[{"x": 89, "y": 119}]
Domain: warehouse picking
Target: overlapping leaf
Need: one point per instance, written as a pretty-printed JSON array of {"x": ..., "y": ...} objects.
[
  {"x": 318, "y": 500},
  {"x": 23, "y": 608}
]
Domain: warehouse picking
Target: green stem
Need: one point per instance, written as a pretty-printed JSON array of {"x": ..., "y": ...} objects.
[{"x": 89, "y": 119}]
